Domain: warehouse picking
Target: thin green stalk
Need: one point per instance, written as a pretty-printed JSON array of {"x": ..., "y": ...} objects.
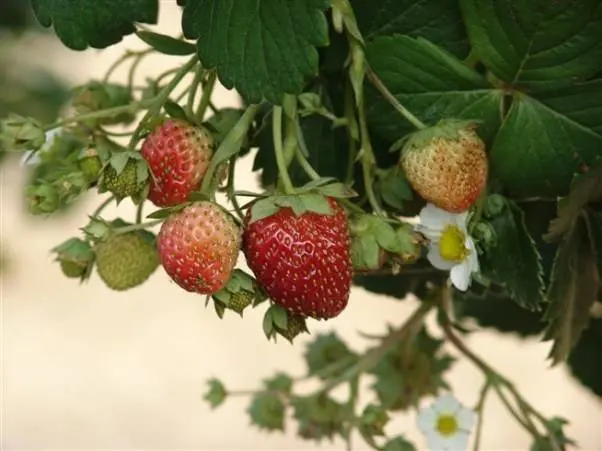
[
  {"x": 279, "y": 151},
  {"x": 134, "y": 67},
  {"x": 368, "y": 161},
  {"x": 118, "y": 62},
  {"x": 141, "y": 226},
  {"x": 139, "y": 212},
  {"x": 193, "y": 90},
  {"x": 379, "y": 85},
  {"x": 306, "y": 165},
  {"x": 351, "y": 126},
  {"x": 206, "y": 96},
  {"x": 232, "y": 188},
  {"x": 160, "y": 99},
  {"x": 102, "y": 206},
  {"x": 479, "y": 409}
]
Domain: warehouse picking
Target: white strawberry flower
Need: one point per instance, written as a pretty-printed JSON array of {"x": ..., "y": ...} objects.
[
  {"x": 446, "y": 424},
  {"x": 450, "y": 246},
  {"x": 31, "y": 158}
]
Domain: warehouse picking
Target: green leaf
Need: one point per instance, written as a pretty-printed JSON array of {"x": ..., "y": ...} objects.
[
  {"x": 216, "y": 394},
  {"x": 394, "y": 188},
  {"x": 222, "y": 122},
  {"x": 319, "y": 417},
  {"x": 166, "y": 44},
  {"x": 267, "y": 411},
  {"x": 279, "y": 382},
  {"x": 262, "y": 209},
  {"x": 572, "y": 291},
  {"x": 514, "y": 260},
  {"x": 316, "y": 203},
  {"x": 398, "y": 444},
  {"x": 586, "y": 358},
  {"x": 431, "y": 83},
  {"x": 557, "y": 440},
  {"x": 328, "y": 356},
  {"x": 174, "y": 110},
  {"x": 88, "y": 23},
  {"x": 541, "y": 144},
  {"x": 537, "y": 44},
  {"x": 263, "y": 48},
  {"x": 439, "y": 21}
]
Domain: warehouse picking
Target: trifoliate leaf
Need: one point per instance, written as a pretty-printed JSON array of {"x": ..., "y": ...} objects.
[
  {"x": 83, "y": 23},
  {"x": 537, "y": 45},
  {"x": 267, "y": 411},
  {"x": 544, "y": 141},
  {"x": 166, "y": 44},
  {"x": 216, "y": 394},
  {"x": 429, "y": 82},
  {"x": 264, "y": 48},
  {"x": 439, "y": 21},
  {"x": 573, "y": 289},
  {"x": 328, "y": 356},
  {"x": 514, "y": 259}
]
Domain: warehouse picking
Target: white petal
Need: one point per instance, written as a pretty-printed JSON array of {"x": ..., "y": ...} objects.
[
  {"x": 473, "y": 256},
  {"x": 426, "y": 420},
  {"x": 435, "y": 218},
  {"x": 447, "y": 404},
  {"x": 434, "y": 257},
  {"x": 456, "y": 442},
  {"x": 435, "y": 442},
  {"x": 29, "y": 158},
  {"x": 460, "y": 275},
  {"x": 465, "y": 418},
  {"x": 433, "y": 235}
]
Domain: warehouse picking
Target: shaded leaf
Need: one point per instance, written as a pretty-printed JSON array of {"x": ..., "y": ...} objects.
[{"x": 166, "y": 44}]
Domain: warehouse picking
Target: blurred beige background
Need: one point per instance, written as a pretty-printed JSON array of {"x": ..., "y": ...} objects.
[{"x": 87, "y": 368}]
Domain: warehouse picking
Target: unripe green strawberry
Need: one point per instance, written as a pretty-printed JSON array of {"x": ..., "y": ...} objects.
[
  {"x": 124, "y": 184},
  {"x": 73, "y": 270},
  {"x": 90, "y": 165},
  {"x": 126, "y": 260},
  {"x": 447, "y": 165},
  {"x": 199, "y": 247},
  {"x": 75, "y": 257},
  {"x": 295, "y": 326}
]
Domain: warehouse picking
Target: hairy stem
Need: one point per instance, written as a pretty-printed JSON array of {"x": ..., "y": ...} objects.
[
  {"x": 380, "y": 86},
  {"x": 232, "y": 188},
  {"x": 198, "y": 75},
  {"x": 141, "y": 226},
  {"x": 479, "y": 409},
  {"x": 279, "y": 151},
  {"x": 102, "y": 206}
]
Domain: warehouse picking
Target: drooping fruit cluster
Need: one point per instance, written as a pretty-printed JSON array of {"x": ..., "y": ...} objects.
[
  {"x": 126, "y": 260},
  {"x": 447, "y": 165},
  {"x": 178, "y": 155},
  {"x": 302, "y": 262},
  {"x": 199, "y": 247}
]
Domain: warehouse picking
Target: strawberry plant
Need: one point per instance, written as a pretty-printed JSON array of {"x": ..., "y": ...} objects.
[{"x": 446, "y": 150}]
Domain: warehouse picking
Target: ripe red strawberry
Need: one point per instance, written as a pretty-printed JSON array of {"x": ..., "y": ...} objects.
[
  {"x": 178, "y": 155},
  {"x": 199, "y": 246},
  {"x": 302, "y": 262},
  {"x": 448, "y": 170}
]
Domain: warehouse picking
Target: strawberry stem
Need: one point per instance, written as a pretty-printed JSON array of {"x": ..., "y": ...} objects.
[
  {"x": 380, "y": 86},
  {"x": 198, "y": 75},
  {"x": 134, "y": 227},
  {"x": 102, "y": 206},
  {"x": 232, "y": 189},
  {"x": 208, "y": 87},
  {"x": 279, "y": 151}
]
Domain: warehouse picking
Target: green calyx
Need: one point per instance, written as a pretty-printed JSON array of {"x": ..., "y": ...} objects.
[
  {"x": 308, "y": 198},
  {"x": 241, "y": 291},
  {"x": 373, "y": 238},
  {"x": 445, "y": 128},
  {"x": 75, "y": 257},
  {"x": 126, "y": 181}
]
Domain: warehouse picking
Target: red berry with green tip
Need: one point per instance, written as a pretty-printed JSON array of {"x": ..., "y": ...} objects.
[
  {"x": 302, "y": 262},
  {"x": 199, "y": 246},
  {"x": 178, "y": 155}
]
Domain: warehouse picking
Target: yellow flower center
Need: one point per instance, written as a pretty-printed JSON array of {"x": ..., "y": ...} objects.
[
  {"x": 447, "y": 425},
  {"x": 451, "y": 244}
]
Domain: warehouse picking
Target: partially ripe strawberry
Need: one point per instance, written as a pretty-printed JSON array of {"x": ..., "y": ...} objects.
[
  {"x": 302, "y": 262},
  {"x": 448, "y": 167},
  {"x": 178, "y": 155},
  {"x": 199, "y": 246}
]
